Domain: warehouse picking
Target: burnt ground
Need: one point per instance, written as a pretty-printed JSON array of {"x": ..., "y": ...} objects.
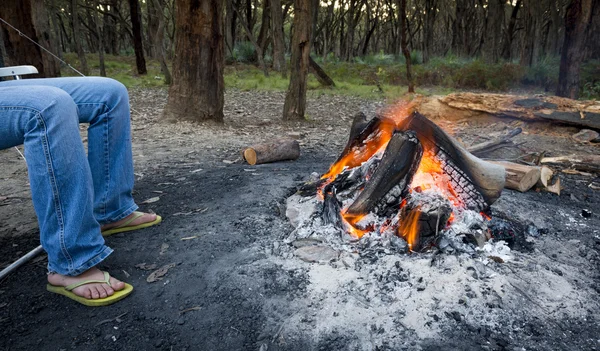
[{"x": 237, "y": 285}]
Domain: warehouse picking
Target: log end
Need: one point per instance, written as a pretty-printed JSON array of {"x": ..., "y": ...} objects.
[{"x": 250, "y": 156}]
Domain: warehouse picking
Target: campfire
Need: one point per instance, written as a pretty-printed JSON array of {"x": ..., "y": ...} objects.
[{"x": 401, "y": 176}]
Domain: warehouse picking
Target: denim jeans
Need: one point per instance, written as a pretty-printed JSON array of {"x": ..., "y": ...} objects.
[{"x": 72, "y": 195}]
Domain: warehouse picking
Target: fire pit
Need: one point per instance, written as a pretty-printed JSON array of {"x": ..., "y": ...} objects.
[{"x": 400, "y": 179}]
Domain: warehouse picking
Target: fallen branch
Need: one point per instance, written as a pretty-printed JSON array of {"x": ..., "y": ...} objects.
[
  {"x": 585, "y": 163},
  {"x": 488, "y": 146}
]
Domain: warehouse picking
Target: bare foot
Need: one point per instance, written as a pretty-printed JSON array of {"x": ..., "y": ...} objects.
[
  {"x": 89, "y": 291},
  {"x": 146, "y": 218}
]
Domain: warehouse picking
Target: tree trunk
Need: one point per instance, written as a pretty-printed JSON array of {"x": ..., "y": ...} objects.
[
  {"x": 577, "y": 19},
  {"x": 159, "y": 44},
  {"x": 278, "y": 41},
  {"x": 493, "y": 30},
  {"x": 77, "y": 38},
  {"x": 111, "y": 39},
  {"x": 198, "y": 87},
  {"x": 136, "y": 26},
  {"x": 403, "y": 44},
  {"x": 100, "y": 42},
  {"x": 509, "y": 34},
  {"x": 263, "y": 35},
  {"x": 31, "y": 19},
  {"x": 229, "y": 36},
  {"x": 152, "y": 28},
  {"x": 430, "y": 15},
  {"x": 295, "y": 99}
]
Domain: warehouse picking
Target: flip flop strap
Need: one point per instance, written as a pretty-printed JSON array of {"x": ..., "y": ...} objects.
[
  {"x": 135, "y": 216},
  {"x": 93, "y": 281}
]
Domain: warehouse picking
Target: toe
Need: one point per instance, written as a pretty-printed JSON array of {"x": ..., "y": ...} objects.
[
  {"x": 95, "y": 292},
  {"x": 116, "y": 284}
]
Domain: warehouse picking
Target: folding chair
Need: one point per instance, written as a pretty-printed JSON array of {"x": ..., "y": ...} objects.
[{"x": 16, "y": 72}]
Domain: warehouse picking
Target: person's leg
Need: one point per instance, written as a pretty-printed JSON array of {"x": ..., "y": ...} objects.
[{"x": 104, "y": 104}]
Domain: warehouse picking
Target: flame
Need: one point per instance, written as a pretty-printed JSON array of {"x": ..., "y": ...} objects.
[
  {"x": 350, "y": 222},
  {"x": 409, "y": 228},
  {"x": 429, "y": 175}
]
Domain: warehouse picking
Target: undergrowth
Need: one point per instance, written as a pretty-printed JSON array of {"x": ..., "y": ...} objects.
[{"x": 373, "y": 76}]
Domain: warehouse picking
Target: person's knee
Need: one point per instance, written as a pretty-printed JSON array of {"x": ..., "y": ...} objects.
[
  {"x": 113, "y": 88},
  {"x": 54, "y": 104}
]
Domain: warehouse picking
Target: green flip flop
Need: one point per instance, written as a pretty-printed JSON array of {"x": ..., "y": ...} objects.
[
  {"x": 67, "y": 291},
  {"x": 126, "y": 227}
]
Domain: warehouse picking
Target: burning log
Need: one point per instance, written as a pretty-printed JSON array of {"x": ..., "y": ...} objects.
[
  {"x": 276, "y": 150},
  {"x": 478, "y": 183},
  {"x": 395, "y": 170}
]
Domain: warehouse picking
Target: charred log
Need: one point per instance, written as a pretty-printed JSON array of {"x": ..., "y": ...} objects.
[
  {"x": 396, "y": 169},
  {"x": 478, "y": 183},
  {"x": 331, "y": 207}
]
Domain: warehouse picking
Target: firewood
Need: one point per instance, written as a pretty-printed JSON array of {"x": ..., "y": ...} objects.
[
  {"x": 586, "y": 163},
  {"x": 520, "y": 177},
  {"x": 276, "y": 150},
  {"x": 485, "y": 147}
]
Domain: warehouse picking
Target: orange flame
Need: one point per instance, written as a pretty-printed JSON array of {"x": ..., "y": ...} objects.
[
  {"x": 350, "y": 222},
  {"x": 409, "y": 228}
]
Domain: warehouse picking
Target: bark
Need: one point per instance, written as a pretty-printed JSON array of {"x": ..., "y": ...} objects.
[
  {"x": 276, "y": 150},
  {"x": 295, "y": 99},
  {"x": 136, "y": 25},
  {"x": 278, "y": 41},
  {"x": 198, "y": 87},
  {"x": 403, "y": 44},
  {"x": 577, "y": 19}
]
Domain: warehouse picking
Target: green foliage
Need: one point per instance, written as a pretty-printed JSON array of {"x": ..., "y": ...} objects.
[
  {"x": 243, "y": 52},
  {"x": 373, "y": 77},
  {"x": 544, "y": 73}
]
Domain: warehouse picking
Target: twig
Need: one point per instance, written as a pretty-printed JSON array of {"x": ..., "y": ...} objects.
[{"x": 110, "y": 319}]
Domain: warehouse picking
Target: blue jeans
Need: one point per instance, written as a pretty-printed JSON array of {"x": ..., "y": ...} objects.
[{"x": 72, "y": 195}]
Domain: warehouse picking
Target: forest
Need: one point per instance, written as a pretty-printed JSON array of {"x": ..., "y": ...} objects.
[{"x": 493, "y": 45}]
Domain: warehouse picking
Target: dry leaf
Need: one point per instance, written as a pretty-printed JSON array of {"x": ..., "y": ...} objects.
[
  {"x": 151, "y": 200},
  {"x": 159, "y": 273}
]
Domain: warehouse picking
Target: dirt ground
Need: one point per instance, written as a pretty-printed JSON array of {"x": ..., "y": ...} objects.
[{"x": 237, "y": 285}]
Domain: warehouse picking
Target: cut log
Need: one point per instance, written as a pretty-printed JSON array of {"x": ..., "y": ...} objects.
[
  {"x": 586, "y": 163},
  {"x": 276, "y": 150},
  {"x": 537, "y": 108},
  {"x": 520, "y": 177}
]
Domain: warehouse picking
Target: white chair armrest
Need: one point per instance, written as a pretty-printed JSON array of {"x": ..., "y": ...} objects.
[{"x": 17, "y": 71}]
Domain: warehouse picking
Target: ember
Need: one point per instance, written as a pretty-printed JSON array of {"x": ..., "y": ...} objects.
[{"x": 400, "y": 174}]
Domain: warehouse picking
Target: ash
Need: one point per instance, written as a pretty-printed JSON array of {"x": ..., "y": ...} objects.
[{"x": 467, "y": 234}]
